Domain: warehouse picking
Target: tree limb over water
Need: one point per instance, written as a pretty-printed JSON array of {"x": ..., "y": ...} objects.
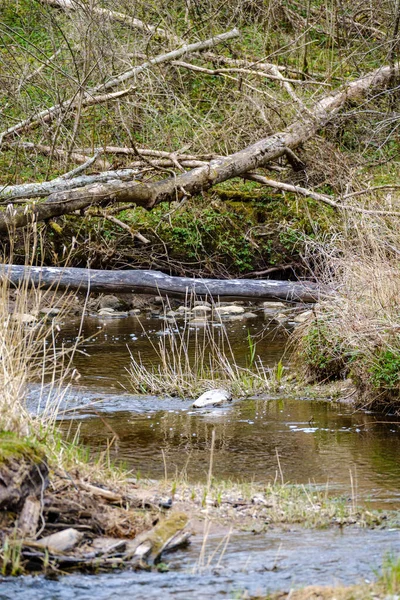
[
  {"x": 218, "y": 170},
  {"x": 155, "y": 282}
]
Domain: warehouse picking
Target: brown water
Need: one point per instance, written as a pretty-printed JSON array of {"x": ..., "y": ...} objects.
[
  {"x": 317, "y": 441},
  {"x": 354, "y": 453}
]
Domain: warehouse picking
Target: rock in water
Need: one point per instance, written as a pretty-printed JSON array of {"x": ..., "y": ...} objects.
[{"x": 213, "y": 398}]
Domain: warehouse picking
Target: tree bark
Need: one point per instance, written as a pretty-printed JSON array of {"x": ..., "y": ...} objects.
[
  {"x": 150, "y": 194},
  {"x": 155, "y": 282}
]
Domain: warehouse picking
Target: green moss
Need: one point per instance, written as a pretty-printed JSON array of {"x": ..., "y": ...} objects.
[
  {"x": 164, "y": 530},
  {"x": 385, "y": 370},
  {"x": 17, "y": 448}
]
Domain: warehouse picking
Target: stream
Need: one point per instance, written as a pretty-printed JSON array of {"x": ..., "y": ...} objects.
[{"x": 354, "y": 454}]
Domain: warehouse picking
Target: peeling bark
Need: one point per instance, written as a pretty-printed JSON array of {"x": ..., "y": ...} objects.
[{"x": 148, "y": 282}]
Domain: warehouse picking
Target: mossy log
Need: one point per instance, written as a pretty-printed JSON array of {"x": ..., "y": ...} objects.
[
  {"x": 23, "y": 471},
  {"x": 155, "y": 282}
]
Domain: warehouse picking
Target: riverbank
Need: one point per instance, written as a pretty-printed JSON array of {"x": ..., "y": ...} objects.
[{"x": 94, "y": 518}]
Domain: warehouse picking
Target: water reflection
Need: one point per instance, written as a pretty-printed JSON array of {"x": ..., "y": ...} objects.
[
  {"x": 319, "y": 442},
  {"x": 316, "y": 442},
  {"x": 104, "y": 357}
]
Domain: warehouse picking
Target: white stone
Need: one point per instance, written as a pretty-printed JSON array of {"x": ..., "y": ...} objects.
[
  {"x": 303, "y": 316},
  {"x": 274, "y": 305},
  {"x": 201, "y": 308},
  {"x": 230, "y": 310},
  {"x": 24, "y": 317},
  {"x": 213, "y": 398},
  {"x": 61, "y": 541},
  {"x": 202, "y": 303},
  {"x": 183, "y": 309}
]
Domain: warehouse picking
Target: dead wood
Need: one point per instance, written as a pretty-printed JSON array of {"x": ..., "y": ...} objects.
[
  {"x": 148, "y": 282},
  {"x": 150, "y": 194},
  {"x": 21, "y": 477},
  {"x": 29, "y": 518},
  {"x": 92, "y": 97},
  {"x": 116, "y": 16}
]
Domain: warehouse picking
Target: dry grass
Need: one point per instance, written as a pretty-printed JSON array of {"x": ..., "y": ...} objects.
[
  {"x": 30, "y": 354},
  {"x": 356, "y": 331},
  {"x": 191, "y": 360}
]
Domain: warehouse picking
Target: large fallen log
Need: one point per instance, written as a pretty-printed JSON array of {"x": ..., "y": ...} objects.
[
  {"x": 155, "y": 282},
  {"x": 150, "y": 194}
]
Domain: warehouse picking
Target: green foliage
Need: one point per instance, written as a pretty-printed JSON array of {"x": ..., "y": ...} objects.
[
  {"x": 390, "y": 577},
  {"x": 385, "y": 370},
  {"x": 322, "y": 351}
]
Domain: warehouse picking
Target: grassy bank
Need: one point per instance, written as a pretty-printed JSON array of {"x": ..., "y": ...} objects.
[{"x": 354, "y": 333}]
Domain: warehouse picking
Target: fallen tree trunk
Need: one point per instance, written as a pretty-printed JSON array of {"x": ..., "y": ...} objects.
[
  {"x": 155, "y": 282},
  {"x": 150, "y": 194}
]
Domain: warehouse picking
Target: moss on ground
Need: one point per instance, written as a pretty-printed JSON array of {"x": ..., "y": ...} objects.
[{"x": 14, "y": 447}]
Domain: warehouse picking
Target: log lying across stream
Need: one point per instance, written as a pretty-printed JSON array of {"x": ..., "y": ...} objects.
[{"x": 155, "y": 282}]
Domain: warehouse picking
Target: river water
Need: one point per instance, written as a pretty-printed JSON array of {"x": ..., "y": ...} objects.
[{"x": 318, "y": 442}]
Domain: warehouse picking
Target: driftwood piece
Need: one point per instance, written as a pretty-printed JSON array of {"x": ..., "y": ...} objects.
[
  {"x": 29, "y": 518},
  {"x": 150, "y": 194},
  {"x": 148, "y": 282},
  {"x": 60, "y": 541}
]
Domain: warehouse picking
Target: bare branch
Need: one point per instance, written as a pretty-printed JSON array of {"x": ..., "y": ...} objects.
[
  {"x": 135, "y": 234},
  {"x": 49, "y": 113},
  {"x": 116, "y": 16},
  {"x": 336, "y": 204}
]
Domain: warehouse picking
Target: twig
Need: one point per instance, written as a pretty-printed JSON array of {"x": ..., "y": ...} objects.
[
  {"x": 135, "y": 234},
  {"x": 71, "y": 174},
  {"x": 242, "y": 71},
  {"x": 49, "y": 151},
  {"x": 48, "y": 114},
  {"x": 287, "y": 187},
  {"x": 116, "y": 16}
]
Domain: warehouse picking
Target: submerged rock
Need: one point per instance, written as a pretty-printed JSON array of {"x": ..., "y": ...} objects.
[
  {"x": 229, "y": 310},
  {"x": 114, "y": 314},
  {"x": 110, "y": 301},
  {"x": 199, "y": 321},
  {"x": 213, "y": 398}
]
